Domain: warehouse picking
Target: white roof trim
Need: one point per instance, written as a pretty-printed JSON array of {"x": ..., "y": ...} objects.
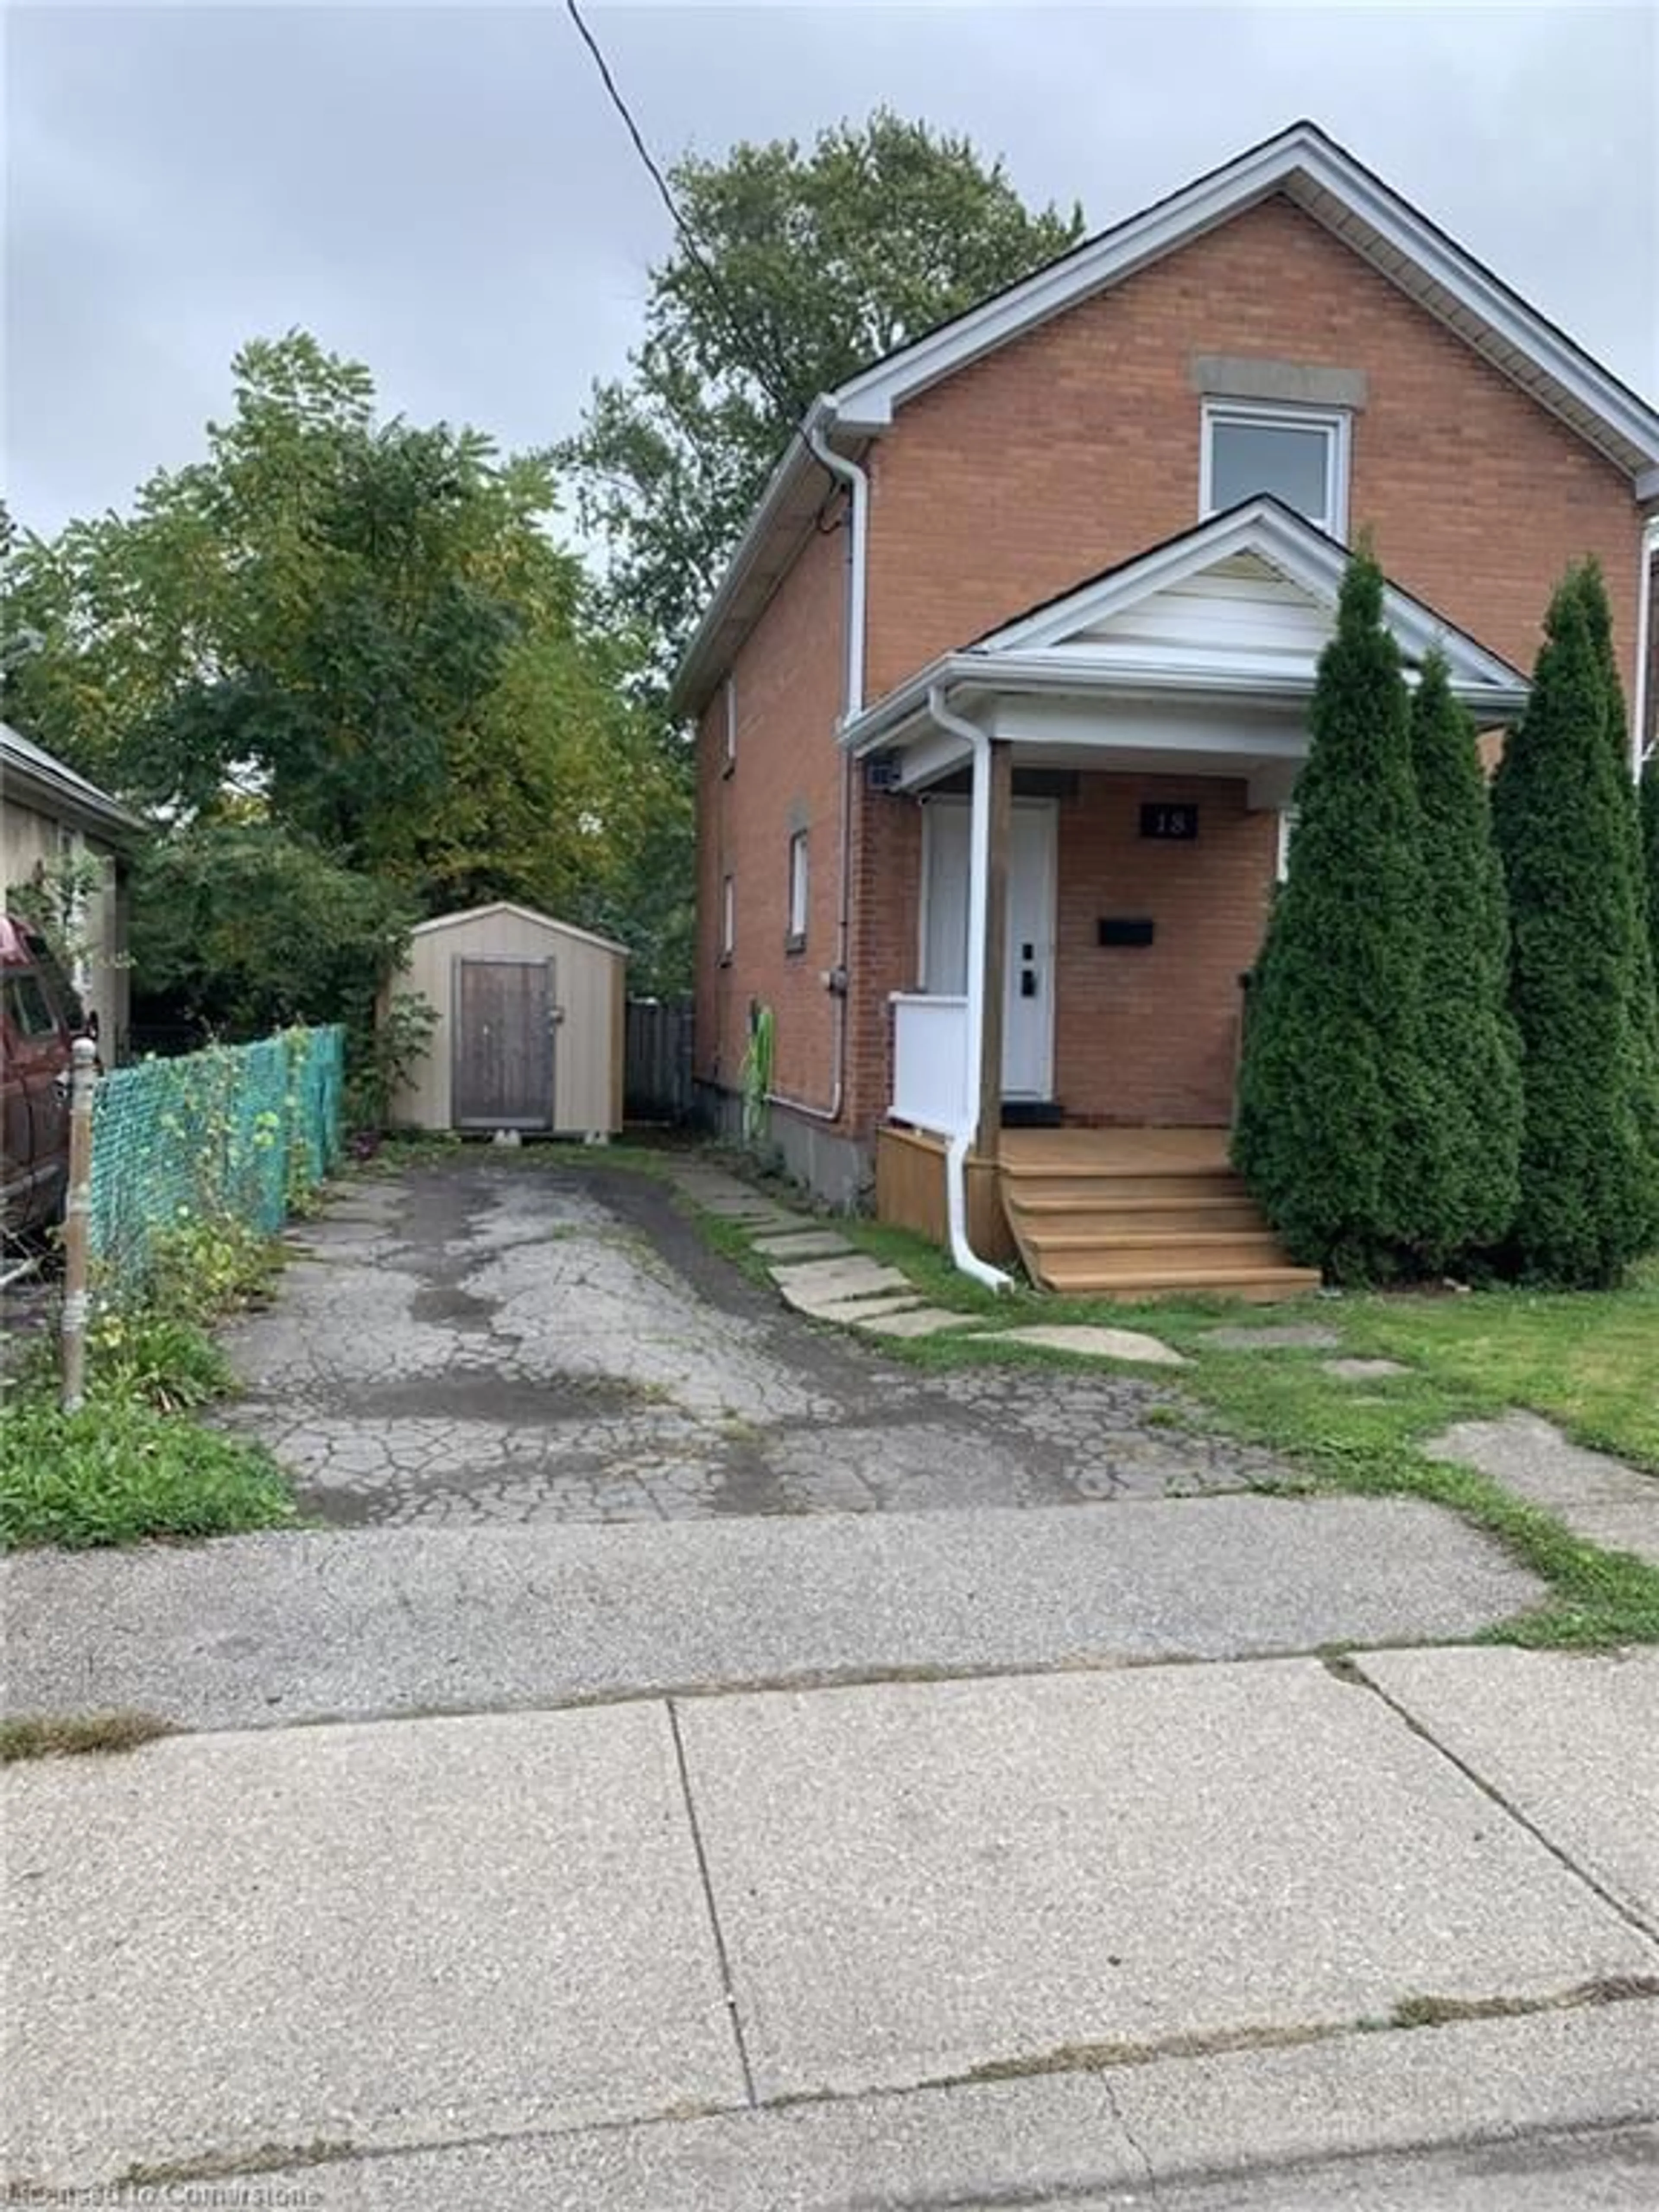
[
  {"x": 1339, "y": 192},
  {"x": 1032, "y": 654},
  {"x": 524, "y": 913}
]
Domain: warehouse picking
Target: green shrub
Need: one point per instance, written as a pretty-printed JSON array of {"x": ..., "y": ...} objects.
[
  {"x": 1581, "y": 980},
  {"x": 118, "y": 1471},
  {"x": 1471, "y": 1046},
  {"x": 1335, "y": 1108},
  {"x": 1649, "y": 803},
  {"x": 159, "y": 1359}
]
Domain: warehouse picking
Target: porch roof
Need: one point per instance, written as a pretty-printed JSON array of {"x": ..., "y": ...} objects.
[{"x": 1208, "y": 643}]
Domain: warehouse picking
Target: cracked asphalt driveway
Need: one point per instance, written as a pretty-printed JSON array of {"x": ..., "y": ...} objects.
[{"x": 478, "y": 1340}]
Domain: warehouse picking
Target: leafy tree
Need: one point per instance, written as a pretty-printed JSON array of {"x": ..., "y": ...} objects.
[
  {"x": 361, "y": 634},
  {"x": 1334, "y": 1100},
  {"x": 241, "y": 928},
  {"x": 1471, "y": 1047},
  {"x": 822, "y": 260},
  {"x": 1581, "y": 983}
]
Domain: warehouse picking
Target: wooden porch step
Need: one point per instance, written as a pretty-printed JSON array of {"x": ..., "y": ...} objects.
[
  {"x": 1129, "y": 1281},
  {"x": 1146, "y": 1213},
  {"x": 1248, "y": 1248},
  {"x": 1034, "y": 1184},
  {"x": 1107, "y": 1213}
]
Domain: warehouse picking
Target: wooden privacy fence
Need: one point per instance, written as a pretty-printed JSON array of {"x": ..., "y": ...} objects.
[{"x": 657, "y": 1062}]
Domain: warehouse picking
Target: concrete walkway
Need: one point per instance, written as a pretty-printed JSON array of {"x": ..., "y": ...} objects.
[{"x": 1008, "y": 1940}]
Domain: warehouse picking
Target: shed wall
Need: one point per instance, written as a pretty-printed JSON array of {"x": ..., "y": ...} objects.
[{"x": 588, "y": 986}]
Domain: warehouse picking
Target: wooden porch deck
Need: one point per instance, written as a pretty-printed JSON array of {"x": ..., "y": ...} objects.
[{"x": 1137, "y": 1213}]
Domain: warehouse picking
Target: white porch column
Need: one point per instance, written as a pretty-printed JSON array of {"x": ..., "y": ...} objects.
[{"x": 987, "y": 935}]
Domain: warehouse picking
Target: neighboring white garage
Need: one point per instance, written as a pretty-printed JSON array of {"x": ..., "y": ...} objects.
[{"x": 530, "y": 1025}]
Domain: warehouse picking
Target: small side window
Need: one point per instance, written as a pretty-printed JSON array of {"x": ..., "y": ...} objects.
[
  {"x": 729, "y": 740},
  {"x": 728, "y": 919},
  {"x": 799, "y": 889}
]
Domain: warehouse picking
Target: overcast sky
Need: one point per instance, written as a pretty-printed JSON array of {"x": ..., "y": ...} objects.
[{"x": 443, "y": 192}]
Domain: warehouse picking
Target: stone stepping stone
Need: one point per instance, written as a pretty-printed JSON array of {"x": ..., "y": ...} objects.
[
  {"x": 919, "y": 1321},
  {"x": 1274, "y": 1336},
  {"x": 817, "y": 1283},
  {"x": 802, "y": 1244},
  {"x": 858, "y": 1311},
  {"x": 1362, "y": 1370},
  {"x": 1600, "y": 1498},
  {"x": 744, "y": 1209},
  {"x": 1096, "y": 1343},
  {"x": 1530, "y": 1456}
]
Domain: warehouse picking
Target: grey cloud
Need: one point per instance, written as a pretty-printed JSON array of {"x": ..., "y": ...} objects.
[{"x": 443, "y": 191}]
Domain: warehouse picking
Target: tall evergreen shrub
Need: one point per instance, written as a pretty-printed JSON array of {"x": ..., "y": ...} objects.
[
  {"x": 1649, "y": 804},
  {"x": 1334, "y": 1097},
  {"x": 1564, "y": 811},
  {"x": 1471, "y": 1046}
]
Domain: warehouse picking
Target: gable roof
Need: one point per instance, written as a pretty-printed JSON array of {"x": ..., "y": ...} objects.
[
  {"x": 522, "y": 913},
  {"x": 1304, "y": 165},
  {"x": 37, "y": 776},
  {"x": 1241, "y": 606}
]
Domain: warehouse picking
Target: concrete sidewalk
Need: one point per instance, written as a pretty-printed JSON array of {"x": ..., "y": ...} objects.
[
  {"x": 1074, "y": 1933},
  {"x": 254, "y": 1630}
]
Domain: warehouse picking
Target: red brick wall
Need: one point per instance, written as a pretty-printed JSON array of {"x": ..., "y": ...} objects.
[
  {"x": 1151, "y": 1034},
  {"x": 790, "y": 678},
  {"x": 1078, "y": 446},
  {"x": 1141, "y": 1034}
]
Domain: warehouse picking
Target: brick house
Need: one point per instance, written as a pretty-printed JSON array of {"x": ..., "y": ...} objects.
[{"x": 1001, "y": 704}]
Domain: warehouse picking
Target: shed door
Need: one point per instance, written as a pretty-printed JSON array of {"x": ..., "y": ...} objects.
[{"x": 503, "y": 1044}]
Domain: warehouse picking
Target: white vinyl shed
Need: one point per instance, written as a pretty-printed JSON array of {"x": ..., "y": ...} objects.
[{"x": 531, "y": 1019}]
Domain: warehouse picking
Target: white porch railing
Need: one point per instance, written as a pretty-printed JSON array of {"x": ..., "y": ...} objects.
[{"x": 930, "y": 1062}]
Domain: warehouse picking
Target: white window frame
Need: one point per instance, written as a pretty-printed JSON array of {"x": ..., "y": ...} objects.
[
  {"x": 800, "y": 891},
  {"x": 729, "y": 742},
  {"x": 728, "y": 918},
  {"x": 1335, "y": 423}
]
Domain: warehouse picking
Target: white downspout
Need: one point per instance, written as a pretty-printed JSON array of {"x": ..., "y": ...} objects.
[
  {"x": 979, "y": 870},
  {"x": 1644, "y": 648},
  {"x": 835, "y": 980}
]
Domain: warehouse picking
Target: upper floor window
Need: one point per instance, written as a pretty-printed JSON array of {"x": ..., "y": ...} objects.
[{"x": 1299, "y": 455}]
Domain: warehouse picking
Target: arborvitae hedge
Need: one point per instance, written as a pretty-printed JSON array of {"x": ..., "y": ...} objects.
[
  {"x": 1334, "y": 1098},
  {"x": 1581, "y": 976},
  {"x": 1650, "y": 847},
  {"x": 1470, "y": 1041}
]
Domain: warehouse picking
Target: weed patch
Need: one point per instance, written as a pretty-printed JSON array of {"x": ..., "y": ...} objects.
[
  {"x": 67, "y": 1735},
  {"x": 119, "y": 1471}
]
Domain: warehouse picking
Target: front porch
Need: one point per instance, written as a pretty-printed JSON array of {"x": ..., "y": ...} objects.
[
  {"x": 1102, "y": 788},
  {"x": 1126, "y": 1213}
]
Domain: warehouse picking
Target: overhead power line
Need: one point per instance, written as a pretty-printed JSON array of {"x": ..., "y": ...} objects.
[{"x": 765, "y": 371}]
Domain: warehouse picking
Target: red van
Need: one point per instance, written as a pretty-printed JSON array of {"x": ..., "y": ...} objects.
[{"x": 41, "y": 1017}]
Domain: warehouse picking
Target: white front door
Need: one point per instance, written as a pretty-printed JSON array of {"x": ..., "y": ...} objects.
[{"x": 1027, "y": 1014}]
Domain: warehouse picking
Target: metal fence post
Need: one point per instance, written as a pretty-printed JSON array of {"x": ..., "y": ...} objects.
[{"x": 77, "y": 1219}]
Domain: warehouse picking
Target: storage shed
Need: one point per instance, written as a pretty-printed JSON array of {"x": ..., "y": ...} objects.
[{"x": 530, "y": 1025}]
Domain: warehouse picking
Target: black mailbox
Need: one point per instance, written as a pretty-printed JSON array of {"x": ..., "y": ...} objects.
[{"x": 1124, "y": 929}]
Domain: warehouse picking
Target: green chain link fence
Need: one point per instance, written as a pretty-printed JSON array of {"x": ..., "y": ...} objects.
[{"x": 237, "y": 1130}]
